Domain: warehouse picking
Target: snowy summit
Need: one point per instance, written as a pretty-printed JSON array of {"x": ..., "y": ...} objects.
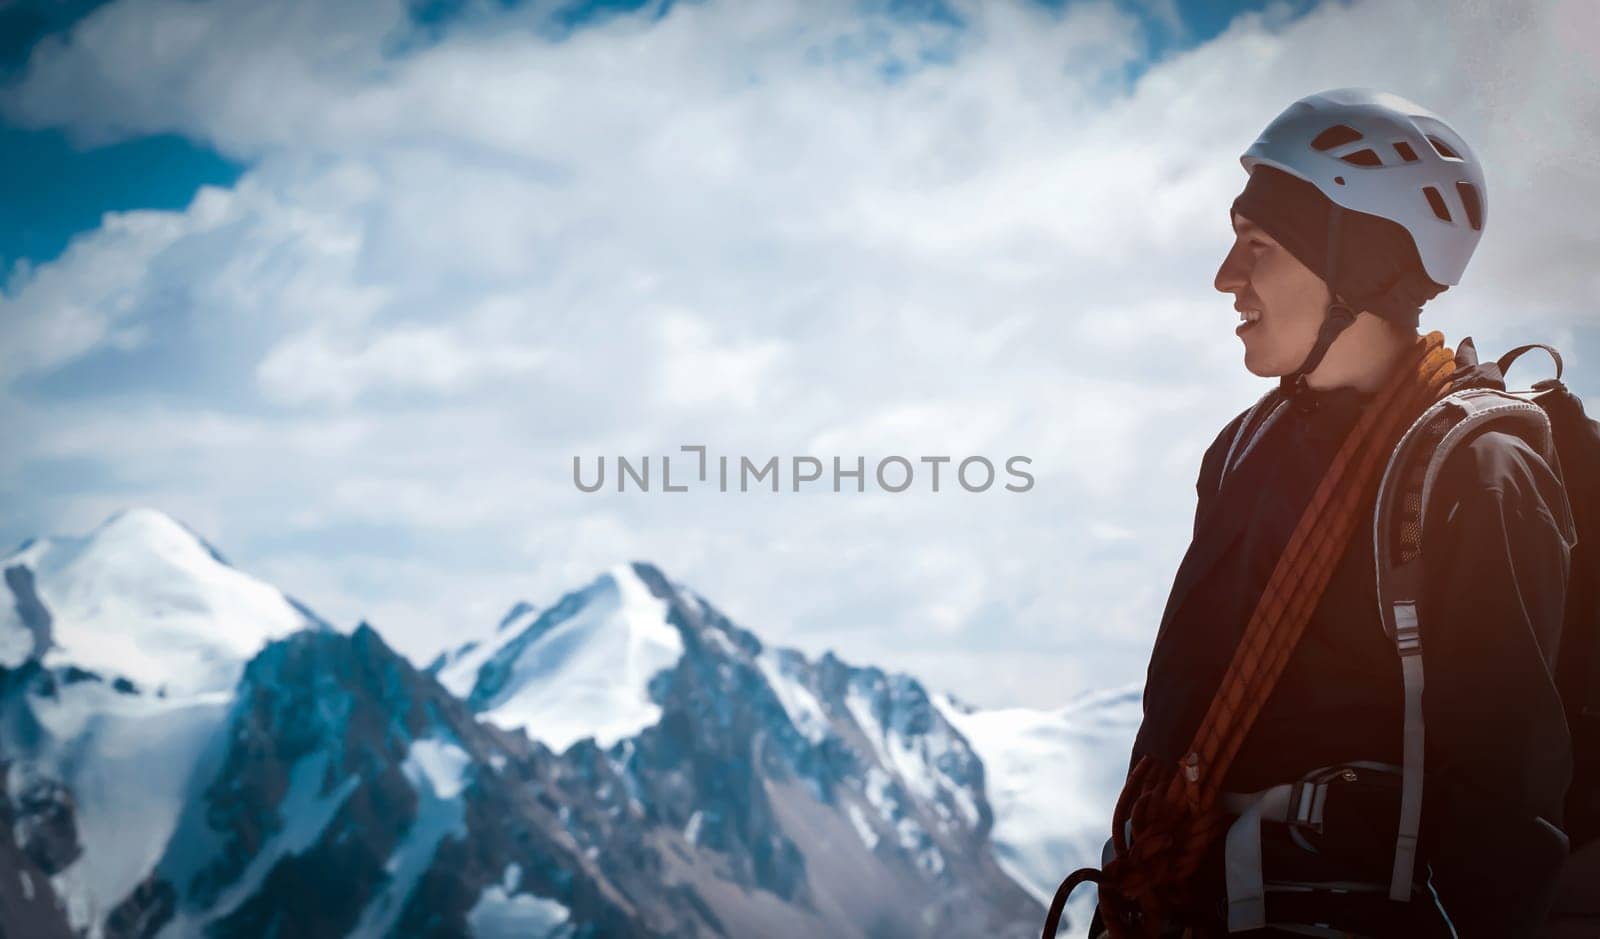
[{"x": 142, "y": 598}]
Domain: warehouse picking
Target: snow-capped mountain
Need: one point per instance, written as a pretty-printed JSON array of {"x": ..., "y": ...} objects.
[
  {"x": 580, "y": 669},
  {"x": 823, "y": 784},
  {"x": 119, "y": 651},
  {"x": 96, "y": 775},
  {"x": 141, "y": 598},
  {"x": 626, "y": 761},
  {"x": 353, "y": 796},
  {"x": 1053, "y": 779}
]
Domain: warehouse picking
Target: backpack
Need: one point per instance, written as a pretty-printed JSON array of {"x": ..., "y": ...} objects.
[{"x": 1552, "y": 421}]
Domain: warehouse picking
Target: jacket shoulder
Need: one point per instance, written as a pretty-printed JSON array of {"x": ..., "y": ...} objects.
[
  {"x": 1499, "y": 463},
  {"x": 1217, "y": 453},
  {"x": 1500, "y": 459}
]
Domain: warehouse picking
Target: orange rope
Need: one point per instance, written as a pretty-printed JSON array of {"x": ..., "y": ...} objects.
[{"x": 1173, "y": 810}]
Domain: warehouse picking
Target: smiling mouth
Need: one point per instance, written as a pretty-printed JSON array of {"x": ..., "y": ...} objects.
[{"x": 1247, "y": 319}]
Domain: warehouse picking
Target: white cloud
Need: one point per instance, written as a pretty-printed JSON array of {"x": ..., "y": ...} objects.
[
  {"x": 697, "y": 368},
  {"x": 314, "y": 366},
  {"x": 62, "y": 311},
  {"x": 449, "y": 271}
]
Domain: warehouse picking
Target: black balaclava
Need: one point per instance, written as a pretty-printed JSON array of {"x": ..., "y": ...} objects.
[{"x": 1369, "y": 263}]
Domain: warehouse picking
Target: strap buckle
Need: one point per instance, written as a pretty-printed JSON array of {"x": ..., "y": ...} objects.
[
  {"x": 1306, "y": 802},
  {"x": 1407, "y": 634}
]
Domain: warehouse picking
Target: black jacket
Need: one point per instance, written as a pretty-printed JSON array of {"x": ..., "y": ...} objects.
[{"x": 1498, "y": 754}]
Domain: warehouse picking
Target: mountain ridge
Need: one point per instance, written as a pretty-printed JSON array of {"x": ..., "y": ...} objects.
[{"x": 722, "y": 786}]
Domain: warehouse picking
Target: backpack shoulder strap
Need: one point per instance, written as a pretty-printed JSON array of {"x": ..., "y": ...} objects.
[
  {"x": 1414, "y": 467},
  {"x": 1510, "y": 410},
  {"x": 1403, "y": 495}
]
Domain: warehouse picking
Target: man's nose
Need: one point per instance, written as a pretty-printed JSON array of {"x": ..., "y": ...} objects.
[{"x": 1232, "y": 276}]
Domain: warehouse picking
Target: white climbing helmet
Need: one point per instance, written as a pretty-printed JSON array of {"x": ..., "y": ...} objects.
[{"x": 1376, "y": 152}]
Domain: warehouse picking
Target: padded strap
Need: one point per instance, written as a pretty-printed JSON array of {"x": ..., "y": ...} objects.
[
  {"x": 1400, "y": 582},
  {"x": 1408, "y": 641}
]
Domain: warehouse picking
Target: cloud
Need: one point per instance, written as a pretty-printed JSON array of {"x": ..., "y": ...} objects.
[
  {"x": 65, "y": 310},
  {"x": 314, "y": 366},
  {"x": 697, "y": 368},
  {"x": 773, "y": 229}
]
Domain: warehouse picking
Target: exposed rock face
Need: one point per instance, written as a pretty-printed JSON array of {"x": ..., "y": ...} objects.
[
  {"x": 31, "y": 613},
  {"x": 44, "y": 825},
  {"x": 28, "y": 904}
]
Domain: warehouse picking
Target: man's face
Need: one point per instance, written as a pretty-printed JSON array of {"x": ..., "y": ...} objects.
[{"x": 1265, "y": 278}]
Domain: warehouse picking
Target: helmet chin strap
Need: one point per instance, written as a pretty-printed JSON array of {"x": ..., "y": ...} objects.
[{"x": 1335, "y": 319}]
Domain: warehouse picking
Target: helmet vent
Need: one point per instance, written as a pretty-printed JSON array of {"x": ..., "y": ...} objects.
[
  {"x": 1335, "y": 136},
  {"x": 1363, "y": 158},
  {"x": 1437, "y": 202},
  {"x": 1405, "y": 151},
  {"x": 1443, "y": 148},
  {"x": 1469, "y": 201}
]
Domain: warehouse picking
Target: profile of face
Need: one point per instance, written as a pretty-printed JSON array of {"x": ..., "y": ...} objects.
[{"x": 1279, "y": 299}]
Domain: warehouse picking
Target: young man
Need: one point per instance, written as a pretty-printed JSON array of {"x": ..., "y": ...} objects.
[{"x": 1360, "y": 207}]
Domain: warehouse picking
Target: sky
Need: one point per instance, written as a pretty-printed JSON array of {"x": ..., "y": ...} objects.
[{"x": 346, "y": 287}]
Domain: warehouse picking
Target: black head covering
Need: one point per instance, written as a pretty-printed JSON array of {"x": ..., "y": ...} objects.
[{"x": 1378, "y": 268}]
